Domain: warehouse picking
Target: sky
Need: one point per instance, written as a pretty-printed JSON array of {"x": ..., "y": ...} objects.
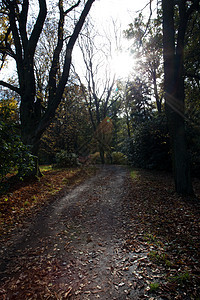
[{"x": 123, "y": 10}]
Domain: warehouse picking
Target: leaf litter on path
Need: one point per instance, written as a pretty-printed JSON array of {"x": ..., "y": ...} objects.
[{"x": 109, "y": 238}]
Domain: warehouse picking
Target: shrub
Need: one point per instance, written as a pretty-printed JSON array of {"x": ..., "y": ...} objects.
[
  {"x": 14, "y": 154},
  {"x": 25, "y": 161},
  {"x": 154, "y": 286},
  {"x": 65, "y": 159},
  {"x": 119, "y": 158},
  {"x": 150, "y": 145},
  {"x": 193, "y": 141},
  {"x": 95, "y": 158}
]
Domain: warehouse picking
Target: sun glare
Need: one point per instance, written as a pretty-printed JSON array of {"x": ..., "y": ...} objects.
[{"x": 122, "y": 64}]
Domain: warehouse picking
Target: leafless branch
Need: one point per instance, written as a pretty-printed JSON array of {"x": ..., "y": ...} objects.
[
  {"x": 71, "y": 8},
  {"x": 10, "y": 86}
]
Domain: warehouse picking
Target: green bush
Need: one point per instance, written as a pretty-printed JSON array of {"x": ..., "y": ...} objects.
[
  {"x": 25, "y": 161},
  {"x": 193, "y": 141},
  {"x": 154, "y": 286},
  {"x": 14, "y": 154},
  {"x": 119, "y": 158},
  {"x": 150, "y": 145},
  {"x": 65, "y": 159}
]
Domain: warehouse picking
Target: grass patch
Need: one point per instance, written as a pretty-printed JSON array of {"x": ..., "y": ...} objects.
[
  {"x": 180, "y": 278},
  {"x": 150, "y": 238},
  {"x": 159, "y": 258},
  {"x": 133, "y": 174},
  {"x": 45, "y": 168},
  {"x": 154, "y": 286}
]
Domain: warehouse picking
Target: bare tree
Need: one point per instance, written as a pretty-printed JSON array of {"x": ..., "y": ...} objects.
[{"x": 98, "y": 83}]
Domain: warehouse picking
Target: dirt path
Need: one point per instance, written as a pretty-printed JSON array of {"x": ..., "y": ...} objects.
[{"x": 75, "y": 246}]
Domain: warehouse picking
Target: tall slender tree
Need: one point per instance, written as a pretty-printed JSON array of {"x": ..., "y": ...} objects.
[{"x": 173, "y": 47}]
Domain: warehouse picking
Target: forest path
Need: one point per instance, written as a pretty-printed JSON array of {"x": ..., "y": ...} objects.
[{"x": 76, "y": 245}]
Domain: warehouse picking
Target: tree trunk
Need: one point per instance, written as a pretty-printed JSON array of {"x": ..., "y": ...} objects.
[
  {"x": 158, "y": 99},
  {"x": 30, "y": 114},
  {"x": 35, "y": 149},
  {"x": 174, "y": 101},
  {"x": 128, "y": 124},
  {"x": 102, "y": 154},
  {"x": 181, "y": 165}
]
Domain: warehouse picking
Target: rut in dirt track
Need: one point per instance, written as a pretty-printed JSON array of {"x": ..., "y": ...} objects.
[{"x": 85, "y": 232}]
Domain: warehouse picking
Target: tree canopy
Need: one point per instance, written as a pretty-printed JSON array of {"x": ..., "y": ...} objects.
[{"x": 35, "y": 116}]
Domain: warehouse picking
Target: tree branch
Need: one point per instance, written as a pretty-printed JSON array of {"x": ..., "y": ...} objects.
[
  {"x": 148, "y": 19},
  {"x": 10, "y": 86},
  {"x": 15, "y": 33},
  {"x": 108, "y": 96},
  {"x": 7, "y": 48},
  {"x": 70, "y": 46},
  {"x": 50, "y": 112},
  {"x": 71, "y": 8},
  {"x": 32, "y": 43},
  {"x": 86, "y": 100},
  {"x": 56, "y": 54},
  {"x": 22, "y": 23}
]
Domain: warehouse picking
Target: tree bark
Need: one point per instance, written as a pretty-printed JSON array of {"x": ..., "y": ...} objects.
[
  {"x": 158, "y": 99},
  {"x": 102, "y": 153},
  {"x": 174, "y": 98}
]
